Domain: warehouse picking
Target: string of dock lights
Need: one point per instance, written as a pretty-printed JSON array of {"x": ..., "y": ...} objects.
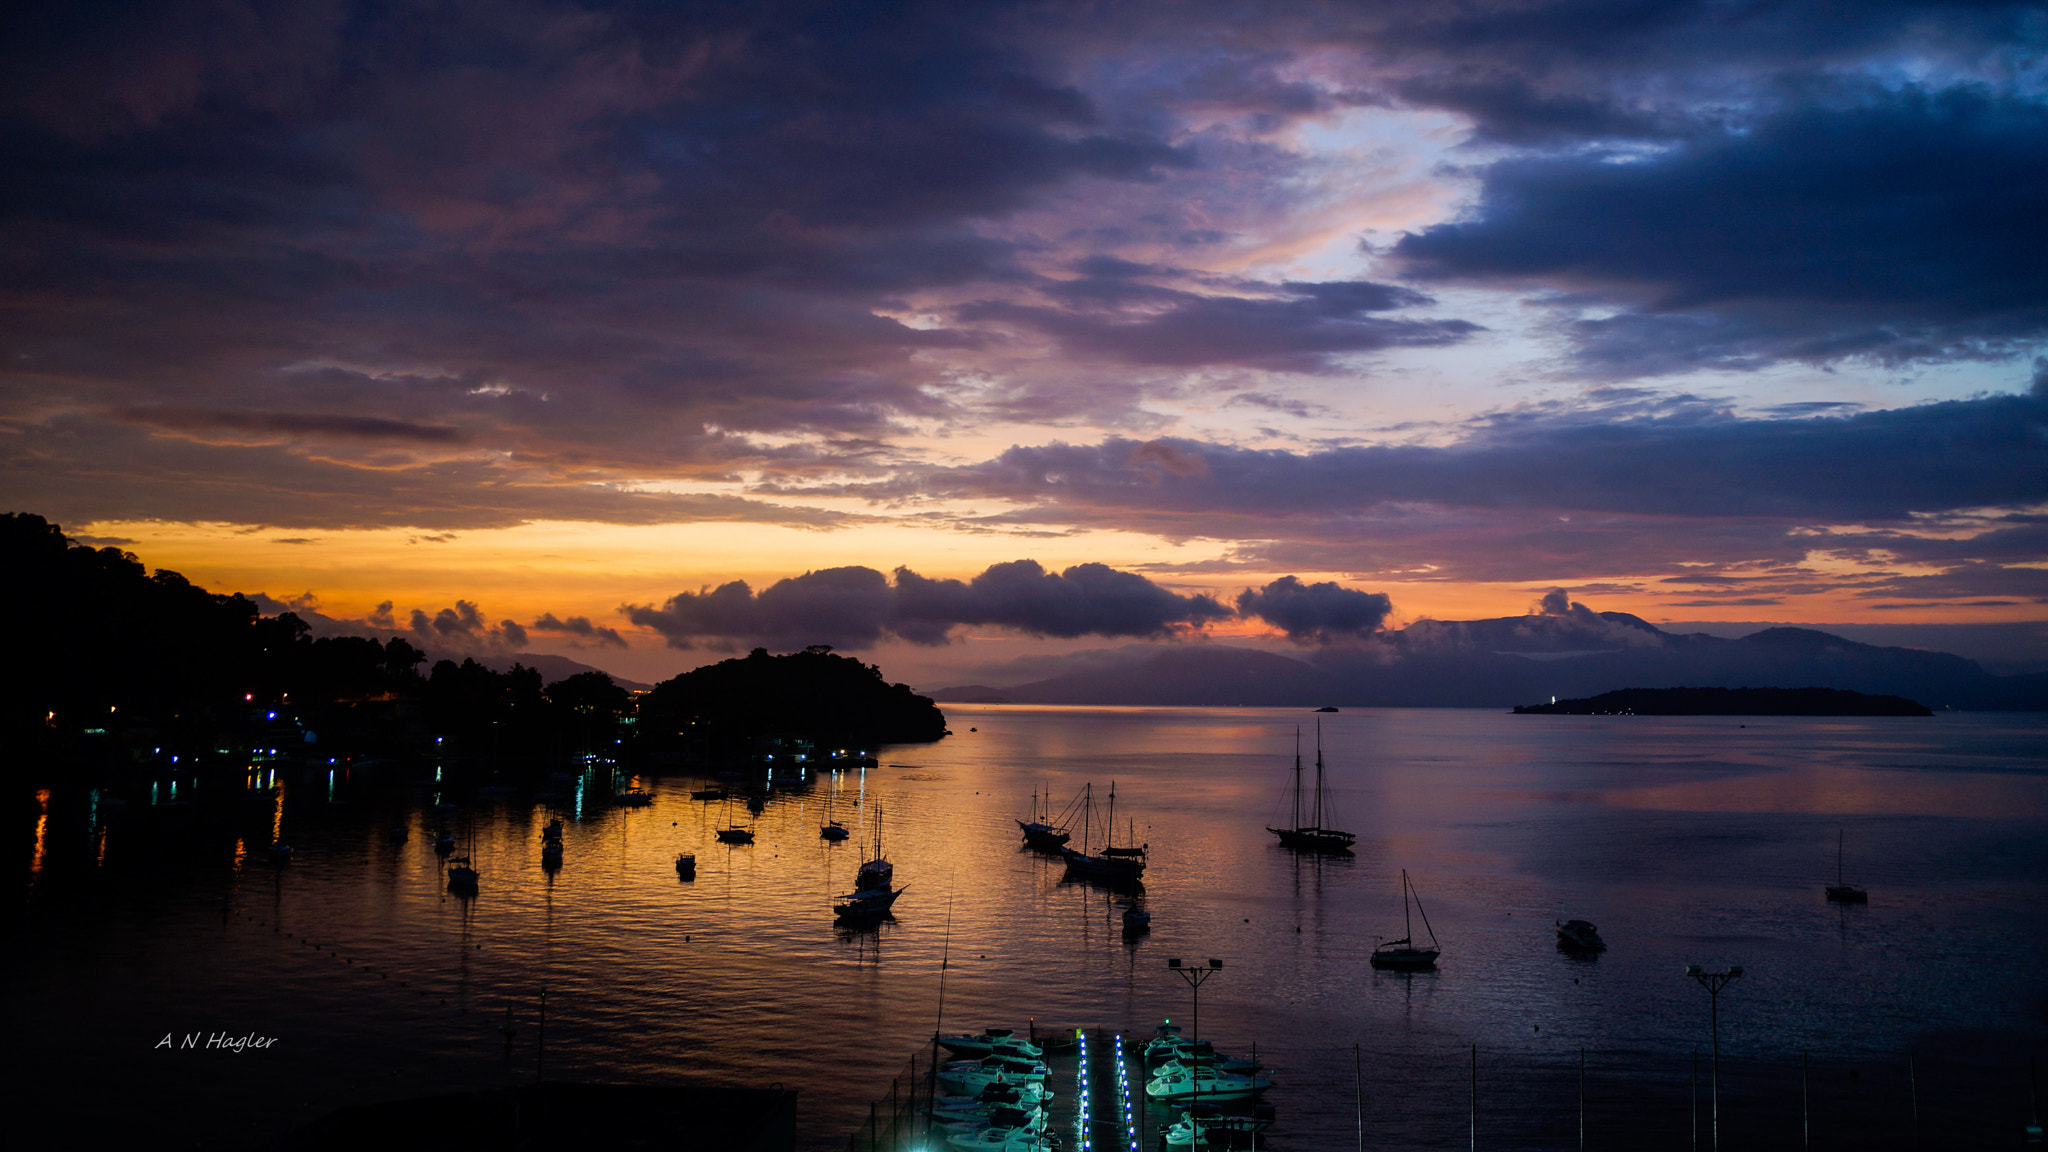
[
  {"x": 1081, "y": 1119},
  {"x": 1123, "y": 1095}
]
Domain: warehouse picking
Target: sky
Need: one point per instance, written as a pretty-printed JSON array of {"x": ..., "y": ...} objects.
[{"x": 954, "y": 334}]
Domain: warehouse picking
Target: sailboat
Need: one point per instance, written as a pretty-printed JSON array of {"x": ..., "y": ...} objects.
[
  {"x": 733, "y": 833},
  {"x": 1040, "y": 832},
  {"x": 1841, "y": 892},
  {"x": 1117, "y": 865},
  {"x": 1312, "y": 836},
  {"x": 1404, "y": 953},
  {"x": 831, "y": 829},
  {"x": 876, "y": 873}
]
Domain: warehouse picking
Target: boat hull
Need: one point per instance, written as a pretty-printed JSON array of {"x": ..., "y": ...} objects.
[
  {"x": 1327, "y": 841},
  {"x": 1406, "y": 959},
  {"x": 1847, "y": 894}
]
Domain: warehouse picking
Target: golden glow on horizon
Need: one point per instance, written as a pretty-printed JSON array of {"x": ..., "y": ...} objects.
[{"x": 587, "y": 569}]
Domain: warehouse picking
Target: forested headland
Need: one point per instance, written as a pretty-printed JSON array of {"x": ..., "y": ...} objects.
[{"x": 117, "y": 666}]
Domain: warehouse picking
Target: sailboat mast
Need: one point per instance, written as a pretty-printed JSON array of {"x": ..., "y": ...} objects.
[
  {"x": 1297, "y": 776},
  {"x": 1407, "y": 923},
  {"x": 1838, "y": 856},
  {"x": 1087, "y": 813},
  {"x": 1319, "y": 772},
  {"x": 1109, "y": 837}
]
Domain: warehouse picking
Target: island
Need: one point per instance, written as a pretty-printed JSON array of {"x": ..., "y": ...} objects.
[{"x": 1729, "y": 702}]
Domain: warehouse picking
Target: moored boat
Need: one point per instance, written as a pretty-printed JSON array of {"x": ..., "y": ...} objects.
[
  {"x": 1181, "y": 1084},
  {"x": 990, "y": 1042},
  {"x": 1114, "y": 864},
  {"x": 1579, "y": 936},
  {"x": 1841, "y": 891},
  {"x": 1405, "y": 953},
  {"x": 1309, "y": 835},
  {"x": 461, "y": 877}
]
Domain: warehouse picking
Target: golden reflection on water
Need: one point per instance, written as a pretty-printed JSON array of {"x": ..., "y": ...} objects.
[
  {"x": 35, "y": 863},
  {"x": 1686, "y": 840}
]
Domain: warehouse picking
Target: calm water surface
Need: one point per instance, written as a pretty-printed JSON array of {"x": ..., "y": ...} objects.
[{"x": 1688, "y": 840}]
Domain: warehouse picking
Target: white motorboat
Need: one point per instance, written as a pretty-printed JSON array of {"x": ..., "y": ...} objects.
[
  {"x": 971, "y": 1076},
  {"x": 1192, "y": 1129},
  {"x": 1204, "y": 1055},
  {"x": 1000, "y": 1116},
  {"x": 1004, "y": 1140},
  {"x": 1184, "y": 1084},
  {"x": 990, "y": 1042},
  {"x": 1015, "y": 1095},
  {"x": 1164, "y": 1038}
]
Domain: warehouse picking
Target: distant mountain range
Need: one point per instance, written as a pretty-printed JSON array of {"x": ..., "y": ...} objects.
[{"x": 1521, "y": 660}]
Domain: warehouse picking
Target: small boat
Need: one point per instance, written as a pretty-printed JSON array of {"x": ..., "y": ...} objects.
[
  {"x": 280, "y": 853},
  {"x": 1405, "y": 954},
  {"x": 1202, "y": 1054},
  {"x": 733, "y": 833},
  {"x": 832, "y": 829},
  {"x": 876, "y": 873},
  {"x": 708, "y": 794},
  {"x": 1842, "y": 892},
  {"x": 686, "y": 865},
  {"x": 1004, "y": 1140},
  {"x": 1137, "y": 920},
  {"x": 971, "y": 1076},
  {"x": 1165, "y": 1038},
  {"x": 757, "y": 803},
  {"x": 401, "y": 833},
  {"x": 461, "y": 877},
  {"x": 989, "y": 1042},
  {"x": 1000, "y": 1092},
  {"x": 1579, "y": 936},
  {"x": 1194, "y": 1125},
  {"x": 867, "y": 904},
  {"x": 1182, "y": 1084},
  {"x": 444, "y": 843},
  {"x": 633, "y": 798},
  {"x": 553, "y": 832},
  {"x": 551, "y": 854},
  {"x": 1041, "y": 833},
  {"x": 1310, "y": 835},
  {"x": 1114, "y": 865},
  {"x": 967, "y": 1121}
]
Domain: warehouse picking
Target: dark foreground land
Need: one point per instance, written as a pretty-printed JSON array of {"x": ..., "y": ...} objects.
[
  {"x": 1730, "y": 702},
  {"x": 554, "y": 1114}
]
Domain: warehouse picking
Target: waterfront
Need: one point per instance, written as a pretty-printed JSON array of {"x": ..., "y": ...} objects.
[{"x": 1695, "y": 840}]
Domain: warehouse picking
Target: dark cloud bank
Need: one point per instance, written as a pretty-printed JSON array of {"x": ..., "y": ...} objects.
[{"x": 348, "y": 265}]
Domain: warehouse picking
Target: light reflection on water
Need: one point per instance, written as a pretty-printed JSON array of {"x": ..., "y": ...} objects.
[{"x": 1687, "y": 840}]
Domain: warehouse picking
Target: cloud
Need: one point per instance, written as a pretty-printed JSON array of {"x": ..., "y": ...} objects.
[
  {"x": 464, "y": 626},
  {"x": 1885, "y": 224},
  {"x": 580, "y": 627},
  {"x": 1315, "y": 613},
  {"x": 856, "y": 607},
  {"x": 1693, "y": 462},
  {"x": 1301, "y": 328}
]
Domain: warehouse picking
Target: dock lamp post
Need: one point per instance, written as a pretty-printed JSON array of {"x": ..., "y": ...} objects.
[
  {"x": 1195, "y": 975},
  {"x": 1713, "y": 982}
]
